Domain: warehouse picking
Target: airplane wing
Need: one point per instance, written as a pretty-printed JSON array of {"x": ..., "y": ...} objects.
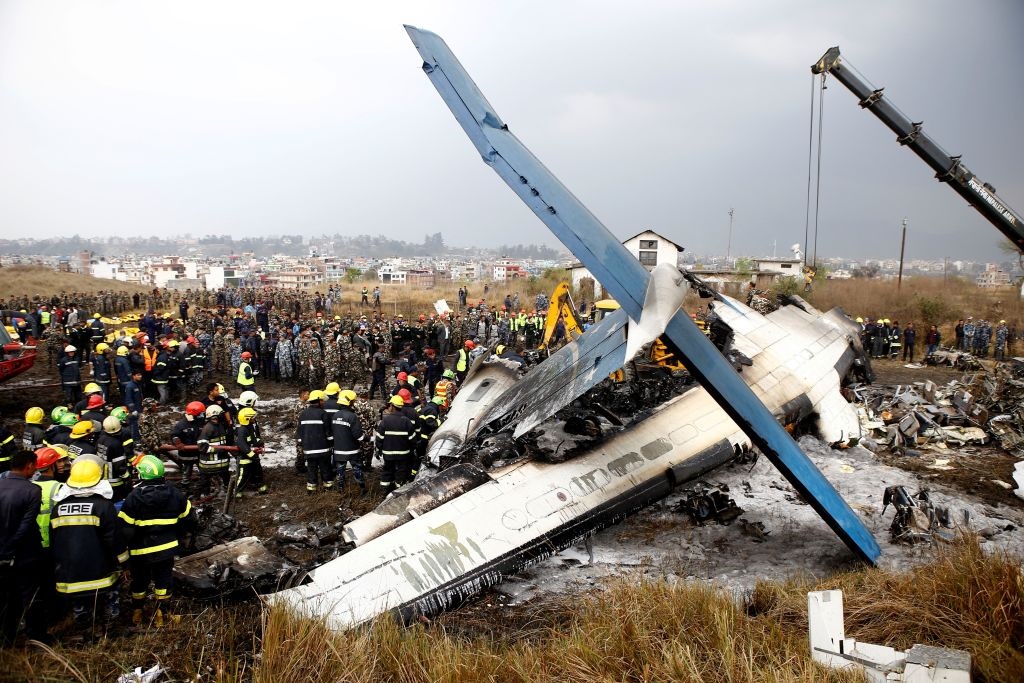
[{"x": 626, "y": 280}]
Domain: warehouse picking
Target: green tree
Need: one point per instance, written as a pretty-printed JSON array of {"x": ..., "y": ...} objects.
[{"x": 351, "y": 275}]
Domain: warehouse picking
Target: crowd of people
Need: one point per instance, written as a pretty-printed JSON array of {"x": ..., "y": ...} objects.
[
  {"x": 884, "y": 338},
  {"x": 83, "y": 491}
]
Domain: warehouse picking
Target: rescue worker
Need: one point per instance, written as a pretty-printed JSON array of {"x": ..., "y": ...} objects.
[
  {"x": 427, "y": 422},
  {"x": 186, "y": 433},
  {"x": 213, "y": 459},
  {"x": 216, "y": 395},
  {"x": 250, "y": 447},
  {"x": 20, "y": 547},
  {"x": 331, "y": 393},
  {"x": 61, "y": 435},
  {"x": 446, "y": 389},
  {"x": 162, "y": 375},
  {"x": 33, "y": 434},
  {"x": 94, "y": 409},
  {"x": 101, "y": 369},
  {"x": 245, "y": 378},
  {"x": 55, "y": 427},
  {"x": 314, "y": 437},
  {"x": 88, "y": 547},
  {"x": 122, "y": 368},
  {"x": 83, "y": 439},
  {"x": 394, "y": 440},
  {"x": 153, "y": 517},
  {"x": 52, "y": 469},
  {"x": 70, "y": 375},
  {"x": 347, "y": 433},
  {"x": 8, "y": 447},
  {"x": 97, "y": 330},
  {"x": 462, "y": 361},
  {"x": 132, "y": 396},
  {"x": 115, "y": 447}
]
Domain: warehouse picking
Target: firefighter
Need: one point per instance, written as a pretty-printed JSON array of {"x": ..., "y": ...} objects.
[
  {"x": 33, "y": 434},
  {"x": 94, "y": 409},
  {"x": 162, "y": 374},
  {"x": 217, "y": 395},
  {"x": 394, "y": 440},
  {"x": 427, "y": 422},
  {"x": 52, "y": 467},
  {"x": 347, "y": 433},
  {"x": 8, "y": 447},
  {"x": 331, "y": 399},
  {"x": 245, "y": 377},
  {"x": 250, "y": 447},
  {"x": 87, "y": 544},
  {"x": 314, "y": 437},
  {"x": 91, "y": 389},
  {"x": 186, "y": 433},
  {"x": 20, "y": 544},
  {"x": 70, "y": 375},
  {"x": 60, "y": 433},
  {"x": 101, "y": 368},
  {"x": 83, "y": 439},
  {"x": 213, "y": 459},
  {"x": 153, "y": 517},
  {"x": 55, "y": 427},
  {"x": 115, "y": 447},
  {"x": 462, "y": 361},
  {"x": 446, "y": 389}
]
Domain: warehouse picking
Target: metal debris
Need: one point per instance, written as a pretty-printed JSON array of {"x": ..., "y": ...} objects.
[
  {"x": 706, "y": 503},
  {"x": 917, "y": 519},
  {"x": 233, "y": 567}
]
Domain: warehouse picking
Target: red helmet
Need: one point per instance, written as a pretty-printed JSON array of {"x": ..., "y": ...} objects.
[
  {"x": 406, "y": 396},
  {"x": 47, "y": 456},
  {"x": 195, "y": 408},
  {"x": 470, "y": 345},
  {"x": 246, "y": 355},
  {"x": 95, "y": 401},
  {"x": 422, "y": 317},
  {"x": 402, "y": 376}
]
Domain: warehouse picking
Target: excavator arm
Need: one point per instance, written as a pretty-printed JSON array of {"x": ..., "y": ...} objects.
[
  {"x": 561, "y": 306},
  {"x": 948, "y": 169}
]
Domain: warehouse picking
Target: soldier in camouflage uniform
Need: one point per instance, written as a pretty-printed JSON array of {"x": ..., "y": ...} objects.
[
  {"x": 369, "y": 416},
  {"x": 284, "y": 353},
  {"x": 300, "y": 458},
  {"x": 205, "y": 340},
  {"x": 305, "y": 358},
  {"x": 219, "y": 350},
  {"x": 346, "y": 357},
  {"x": 761, "y": 300},
  {"x": 235, "y": 352},
  {"x": 149, "y": 433},
  {"x": 332, "y": 359}
]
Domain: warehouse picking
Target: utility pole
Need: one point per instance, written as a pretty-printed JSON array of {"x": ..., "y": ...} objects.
[
  {"x": 903, "y": 244},
  {"x": 728, "y": 249}
]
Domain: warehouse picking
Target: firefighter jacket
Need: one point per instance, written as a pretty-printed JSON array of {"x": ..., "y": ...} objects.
[
  {"x": 211, "y": 459},
  {"x": 187, "y": 432},
  {"x": 153, "y": 517},
  {"x": 100, "y": 368},
  {"x": 67, "y": 368},
  {"x": 123, "y": 368},
  {"x": 331, "y": 407},
  {"x": 133, "y": 397},
  {"x": 32, "y": 437},
  {"x": 48, "y": 487},
  {"x": 82, "y": 446},
  {"x": 161, "y": 369},
  {"x": 247, "y": 437},
  {"x": 115, "y": 449},
  {"x": 97, "y": 330},
  {"x": 57, "y": 434},
  {"x": 429, "y": 419},
  {"x": 94, "y": 415},
  {"x": 7, "y": 446},
  {"x": 347, "y": 434},
  {"x": 314, "y": 432},
  {"x": 394, "y": 436},
  {"x": 85, "y": 538}
]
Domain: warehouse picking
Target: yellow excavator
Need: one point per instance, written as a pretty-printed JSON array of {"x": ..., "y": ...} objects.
[{"x": 562, "y": 306}]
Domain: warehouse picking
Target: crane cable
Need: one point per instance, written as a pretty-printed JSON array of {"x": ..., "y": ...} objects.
[
  {"x": 817, "y": 179},
  {"x": 810, "y": 166}
]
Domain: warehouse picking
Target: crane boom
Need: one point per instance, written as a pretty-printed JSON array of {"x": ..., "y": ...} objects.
[{"x": 948, "y": 169}]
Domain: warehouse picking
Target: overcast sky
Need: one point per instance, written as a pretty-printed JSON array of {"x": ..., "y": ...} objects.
[{"x": 314, "y": 117}]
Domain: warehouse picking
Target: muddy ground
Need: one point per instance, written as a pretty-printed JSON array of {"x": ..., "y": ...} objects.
[{"x": 776, "y": 535}]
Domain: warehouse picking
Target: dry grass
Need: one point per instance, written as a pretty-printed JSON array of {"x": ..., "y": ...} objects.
[
  {"x": 683, "y": 632},
  {"x": 43, "y": 281}
]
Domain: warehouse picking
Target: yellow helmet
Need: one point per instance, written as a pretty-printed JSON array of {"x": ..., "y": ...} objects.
[
  {"x": 85, "y": 474},
  {"x": 315, "y": 395},
  {"x": 332, "y": 389},
  {"x": 34, "y": 415},
  {"x": 246, "y": 415},
  {"x": 101, "y": 347},
  {"x": 886, "y": 320},
  {"x": 397, "y": 401},
  {"x": 122, "y": 350},
  {"x": 92, "y": 388},
  {"x": 96, "y": 315},
  {"x": 83, "y": 428},
  {"x": 347, "y": 397},
  {"x": 1002, "y": 322},
  {"x": 860, "y": 320}
]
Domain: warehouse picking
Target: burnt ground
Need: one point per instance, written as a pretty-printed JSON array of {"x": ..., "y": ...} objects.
[{"x": 495, "y": 613}]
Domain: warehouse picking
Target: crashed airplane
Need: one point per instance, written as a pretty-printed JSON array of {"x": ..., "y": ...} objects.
[{"x": 524, "y": 469}]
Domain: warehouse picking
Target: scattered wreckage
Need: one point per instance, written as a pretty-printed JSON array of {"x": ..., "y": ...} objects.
[{"x": 526, "y": 465}]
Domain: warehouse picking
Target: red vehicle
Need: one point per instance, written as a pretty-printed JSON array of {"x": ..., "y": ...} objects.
[{"x": 17, "y": 357}]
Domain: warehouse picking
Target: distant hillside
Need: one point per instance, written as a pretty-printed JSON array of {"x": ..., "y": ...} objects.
[{"x": 32, "y": 280}]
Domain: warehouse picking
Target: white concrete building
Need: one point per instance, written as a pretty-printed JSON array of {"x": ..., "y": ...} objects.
[{"x": 648, "y": 247}]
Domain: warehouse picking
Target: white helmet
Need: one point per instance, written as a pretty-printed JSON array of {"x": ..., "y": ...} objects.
[
  {"x": 248, "y": 398},
  {"x": 213, "y": 411},
  {"x": 111, "y": 425},
  {"x": 70, "y": 349}
]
